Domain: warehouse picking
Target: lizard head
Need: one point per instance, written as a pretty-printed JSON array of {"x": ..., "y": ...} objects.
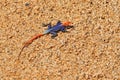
[{"x": 67, "y": 23}]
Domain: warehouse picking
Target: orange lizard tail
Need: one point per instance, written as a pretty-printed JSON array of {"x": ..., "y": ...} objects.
[
  {"x": 32, "y": 39},
  {"x": 29, "y": 42}
]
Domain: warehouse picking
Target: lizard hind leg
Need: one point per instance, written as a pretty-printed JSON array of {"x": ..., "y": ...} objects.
[
  {"x": 46, "y": 24},
  {"x": 54, "y": 34}
]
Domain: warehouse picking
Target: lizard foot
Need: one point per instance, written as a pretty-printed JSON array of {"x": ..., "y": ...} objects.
[{"x": 53, "y": 36}]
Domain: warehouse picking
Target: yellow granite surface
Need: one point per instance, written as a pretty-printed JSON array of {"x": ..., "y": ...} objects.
[{"x": 90, "y": 51}]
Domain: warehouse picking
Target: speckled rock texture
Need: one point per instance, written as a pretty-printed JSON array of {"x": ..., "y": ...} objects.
[{"x": 89, "y": 51}]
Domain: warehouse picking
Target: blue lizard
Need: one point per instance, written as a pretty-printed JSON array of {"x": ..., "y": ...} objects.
[
  {"x": 56, "y": 28},
  {"x": 52, "y": 30}
]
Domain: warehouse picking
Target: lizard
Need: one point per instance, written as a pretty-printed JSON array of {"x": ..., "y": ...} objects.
[{"x": 51, "y": 30}]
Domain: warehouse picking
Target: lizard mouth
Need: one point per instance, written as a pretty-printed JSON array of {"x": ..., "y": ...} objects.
[{"x": 69, "y": 27}]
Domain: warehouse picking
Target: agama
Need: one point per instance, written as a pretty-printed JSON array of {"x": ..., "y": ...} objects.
[{"x": 52, "y": 30}]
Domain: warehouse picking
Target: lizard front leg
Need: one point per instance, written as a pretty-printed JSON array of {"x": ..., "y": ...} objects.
[{"x": 63, "y": 29}]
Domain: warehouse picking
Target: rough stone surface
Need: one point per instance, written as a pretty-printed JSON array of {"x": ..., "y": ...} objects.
[{"x": 90, "y": 51}]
